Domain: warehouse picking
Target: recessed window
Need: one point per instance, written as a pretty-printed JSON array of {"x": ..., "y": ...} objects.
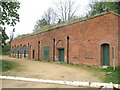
[
  {"x": 113, "y": 52},
  {"x": 68, "y": 37},
  {"x": 54, "y": 39},
  {"x": 38, "y": 42}
]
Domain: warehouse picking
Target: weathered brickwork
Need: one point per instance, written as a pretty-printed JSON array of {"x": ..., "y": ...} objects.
[{"x": 86, "y": 42}]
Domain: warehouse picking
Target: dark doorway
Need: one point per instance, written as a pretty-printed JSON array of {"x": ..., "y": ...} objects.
[
  {"x": 68, "y": 49},
  {"x": 18, "y": 54},
  {"x": 38, "y": 50},
  {"x": 105, "y": 55},
  {"x": 53, "y": 49},
  {"x": 33, "y": 54},
  {"x": 61, "y": 54},
  {"x": 24, "y": 53}
]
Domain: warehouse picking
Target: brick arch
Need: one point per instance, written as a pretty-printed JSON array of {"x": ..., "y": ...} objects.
[
  {"x": 60, "y": 44},
  {"x": 24, "y": 48}
]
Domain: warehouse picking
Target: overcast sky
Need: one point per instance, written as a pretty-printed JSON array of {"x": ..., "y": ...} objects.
[{"x": 32, "y": 10}]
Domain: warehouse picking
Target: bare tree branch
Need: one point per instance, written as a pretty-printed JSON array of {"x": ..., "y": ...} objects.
[{"x": 66, "y": 10}]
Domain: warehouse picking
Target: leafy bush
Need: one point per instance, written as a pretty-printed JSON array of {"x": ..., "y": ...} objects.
[{"x": 6, "y": 48}]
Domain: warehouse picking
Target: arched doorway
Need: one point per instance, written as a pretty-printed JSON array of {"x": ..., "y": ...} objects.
[
  {"x": 13, "y": 51},
  {"x": 61, "y": 54},
  {"x": 60, "y": 47},
  {"x": 25, "y": 51},
  {"x": 18, "y": 52},
  {"x": 105, "y": 54}
]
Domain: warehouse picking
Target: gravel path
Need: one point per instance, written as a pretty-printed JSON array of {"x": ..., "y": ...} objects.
[{"x": 52, "y": 71}]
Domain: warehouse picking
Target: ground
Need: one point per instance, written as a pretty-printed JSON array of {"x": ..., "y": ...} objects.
[
  {"x": 24, "y": 84},
  {"x": 46, "y": 70}
]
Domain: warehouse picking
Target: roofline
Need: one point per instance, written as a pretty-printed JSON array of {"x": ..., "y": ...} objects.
[{"x": 85, "y": 19}]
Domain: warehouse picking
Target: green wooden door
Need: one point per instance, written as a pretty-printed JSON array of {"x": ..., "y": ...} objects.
[
  {"x": 61, "y": 55},
  {"x": 106, "y": 55},
  {"x": 46, "y": 53}
]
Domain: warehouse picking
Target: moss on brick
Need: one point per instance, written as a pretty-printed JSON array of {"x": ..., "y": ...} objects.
[{"x": 55, "y": 26}]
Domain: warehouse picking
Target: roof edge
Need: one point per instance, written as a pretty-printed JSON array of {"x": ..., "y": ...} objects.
[{"x": 60, "y": 26}]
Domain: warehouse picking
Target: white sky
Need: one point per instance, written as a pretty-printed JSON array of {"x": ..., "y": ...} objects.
[{"x": 32, "y": 10}]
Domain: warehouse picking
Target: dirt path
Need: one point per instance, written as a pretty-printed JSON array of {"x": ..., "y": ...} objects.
[{"x": 52, "y": 71}]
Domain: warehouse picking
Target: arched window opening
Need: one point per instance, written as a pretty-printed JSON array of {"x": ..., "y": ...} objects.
[
  {"x": 18, "y": 51},
  {"x": 25, "y": 51}
]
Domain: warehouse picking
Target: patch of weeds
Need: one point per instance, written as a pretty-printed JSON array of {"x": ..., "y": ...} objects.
[
  {"x": 5, "y": 54},
  {"x": 112, "y": 75},
  {"x": 6, "y": 65},
  {"x": 35, "y": 60},
  {"x": 13, "y": 56},
  {"x": 46, "y": 61}
]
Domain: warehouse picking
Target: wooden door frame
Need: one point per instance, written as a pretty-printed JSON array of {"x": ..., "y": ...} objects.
[
  {"x": 101, "y": 53},
  {"x": 59, "y": 54}
]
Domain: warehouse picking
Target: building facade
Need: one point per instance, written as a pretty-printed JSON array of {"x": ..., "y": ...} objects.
[{"x": 93, "y": 42}]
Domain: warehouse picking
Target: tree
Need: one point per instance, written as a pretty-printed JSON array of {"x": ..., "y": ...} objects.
[
  {"x": 9, "y": 15},
  {"x": 99, "y": 7},
  {"x": 48, "y": 18},
  {"x": 3, "y": 36},
  {"x": 12, "y": 35},
  {"x": 40, "y": 23},
  {"x": 66, "y": 10}
]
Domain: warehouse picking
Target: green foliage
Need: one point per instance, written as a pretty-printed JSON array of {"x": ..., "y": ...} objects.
[
  {"x": 99, "y": 7},
  {"x": 6, "y": 48},
  {"x": 3, "y": 36},
  {"x": 5, "y": 65},
  {"x": 22, "y": 36},
  {"x": 9, "y": 13},
  {"x": 39, "y": 24},
  {"x": 112, "y": 75},
  {"x": 8, "y": 16}
]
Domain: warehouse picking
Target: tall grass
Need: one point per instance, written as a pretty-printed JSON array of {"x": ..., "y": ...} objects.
[
  {"x": 6, "y": 65},
  {"x": 112, "y": 75}
]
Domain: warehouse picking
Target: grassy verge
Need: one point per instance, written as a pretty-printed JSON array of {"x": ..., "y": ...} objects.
[
  {"x": 6, "y": 65},
  {"x": 112, "y": 75},
  {"x": 5, "y": 54}
]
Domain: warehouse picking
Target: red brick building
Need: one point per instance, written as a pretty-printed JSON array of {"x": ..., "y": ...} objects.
[{"x": 94, "y": 42}]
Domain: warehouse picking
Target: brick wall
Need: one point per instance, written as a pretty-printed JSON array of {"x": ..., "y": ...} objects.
[{"x": 84, "y": 43}]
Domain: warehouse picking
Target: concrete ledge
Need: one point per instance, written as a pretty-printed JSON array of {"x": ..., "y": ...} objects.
[{"x": 74, "y": 83}]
